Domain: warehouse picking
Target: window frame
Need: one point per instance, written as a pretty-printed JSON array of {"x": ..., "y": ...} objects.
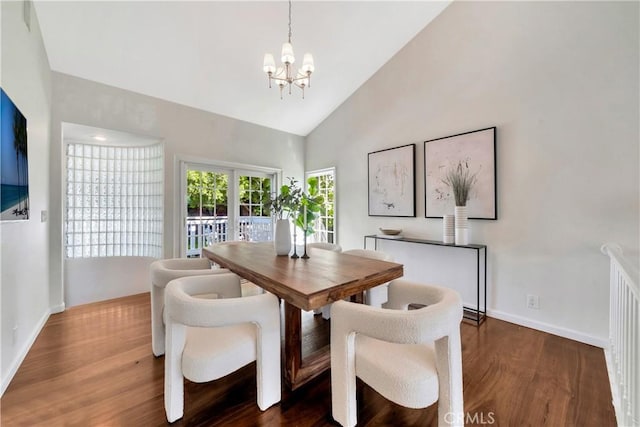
[
  {"x": 184, "y": 162},
  {"x": 328, "y": 171}
]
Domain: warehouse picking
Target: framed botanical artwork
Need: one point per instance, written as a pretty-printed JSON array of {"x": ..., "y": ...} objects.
[
  {"x": 475, "y": 153},
  {"x": 14, "y": 183},
  {"x": 391, "y": 186}
]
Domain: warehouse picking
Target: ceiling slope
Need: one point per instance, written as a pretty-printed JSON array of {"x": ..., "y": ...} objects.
[{"x": 208, "y": 55}]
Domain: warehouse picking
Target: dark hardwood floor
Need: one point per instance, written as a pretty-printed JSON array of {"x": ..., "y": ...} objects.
[{"x": 92, "y": 365}]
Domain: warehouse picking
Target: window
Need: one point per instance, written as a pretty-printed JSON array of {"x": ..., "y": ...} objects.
[
  {"x": 255, "y": 223},
  {"x": 207, "y": 206},
  {"x": 325, "y": 227},
  {"x": 113, "y": 200},
  {"x": 224, "y": 202}
]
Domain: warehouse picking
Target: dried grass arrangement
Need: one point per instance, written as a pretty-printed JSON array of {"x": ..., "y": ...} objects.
[{"x": 461, "y": 180}]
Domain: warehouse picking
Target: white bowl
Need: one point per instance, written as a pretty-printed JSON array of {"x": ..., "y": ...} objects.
[{"x": 390, "y": 231}]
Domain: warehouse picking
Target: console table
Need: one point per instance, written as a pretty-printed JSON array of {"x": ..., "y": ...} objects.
[{"x": 474, "y": 314}]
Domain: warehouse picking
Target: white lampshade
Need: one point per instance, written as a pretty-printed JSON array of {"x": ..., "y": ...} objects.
[
  {"x": 287, "y": 53},
  {"x": 307, "y": 63},
  {"x": 269, "y": 63}
]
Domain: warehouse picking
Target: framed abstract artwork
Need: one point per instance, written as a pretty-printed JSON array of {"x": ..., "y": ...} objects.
[
  {"x": 391, "y": 186},
  {"x": 14, "y": 180},
  {"x": 475, "y": 152}
]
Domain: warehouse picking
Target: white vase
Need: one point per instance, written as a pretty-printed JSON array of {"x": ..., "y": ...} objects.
[
  {"x": 462, "y": 225},
  {"x": 282, "y": 237},
  {"x": 462, "y": 236},
  {"x": 448, "y": 228}
]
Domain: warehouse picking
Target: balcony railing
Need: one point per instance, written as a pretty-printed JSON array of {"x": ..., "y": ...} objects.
[
  {"x": 623, "y": 349},
  {"x": 207, "y": 230}
]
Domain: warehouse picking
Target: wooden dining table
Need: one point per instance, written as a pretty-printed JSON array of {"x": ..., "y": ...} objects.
[{"x": 303, "y": 284}]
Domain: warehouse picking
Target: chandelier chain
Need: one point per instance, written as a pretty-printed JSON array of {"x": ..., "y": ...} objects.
[{"x": 289, "y": 21}]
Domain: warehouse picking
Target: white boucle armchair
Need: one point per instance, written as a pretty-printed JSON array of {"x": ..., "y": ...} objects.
[
  {"x": 333, "y": 247},
  {"x": 377, "y": 296},
  {"x": 162, "y": 272},
  {"x": 209, "y": 338},
  {"x": 411, "y": 357}
]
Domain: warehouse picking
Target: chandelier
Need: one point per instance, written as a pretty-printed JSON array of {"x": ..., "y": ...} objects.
[{"x": 283, "y": 76}]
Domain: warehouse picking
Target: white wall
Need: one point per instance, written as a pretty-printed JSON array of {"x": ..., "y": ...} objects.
[
  {"x": 560, "y": 81},
  {"x": 96, "y": 279},
  {"x": 186, "y": 132},
  {"x": 25, "y": 245}
]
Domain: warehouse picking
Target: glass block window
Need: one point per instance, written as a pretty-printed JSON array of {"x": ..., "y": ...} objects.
[{"x": 114, "y": 199}]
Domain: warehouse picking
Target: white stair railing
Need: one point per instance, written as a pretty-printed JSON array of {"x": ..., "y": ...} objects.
[{"x": 623, "y": 352}]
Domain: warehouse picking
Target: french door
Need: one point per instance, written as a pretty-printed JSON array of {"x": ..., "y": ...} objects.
[{"x": 222, "y": 204}]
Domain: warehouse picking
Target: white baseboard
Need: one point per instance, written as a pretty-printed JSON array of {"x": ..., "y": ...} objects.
[
  {"x": 58, "y": 308},
  {"x": 23, "y": 352},
  {"x": 551, "y": 329}
]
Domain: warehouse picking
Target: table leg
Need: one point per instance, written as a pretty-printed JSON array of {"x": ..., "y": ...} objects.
[
  {"x": 297, "y": 371},
  {"x": 292, "y": 343},
  {"x": 357, "y": 298}
]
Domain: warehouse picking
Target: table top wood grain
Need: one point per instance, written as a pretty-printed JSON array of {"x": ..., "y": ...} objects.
[{"x": 308, "y": 284}]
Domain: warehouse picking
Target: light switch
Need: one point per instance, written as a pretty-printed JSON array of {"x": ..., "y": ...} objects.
[{"x": 43, "y": 216}]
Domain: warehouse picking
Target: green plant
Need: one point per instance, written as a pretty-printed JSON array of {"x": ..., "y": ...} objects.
[
  {"x": 287, "y": 201},
  {"x": 460, "y": 179},
  {"x": 292, "y": 202},
  {"x": 312, "y": 204}
]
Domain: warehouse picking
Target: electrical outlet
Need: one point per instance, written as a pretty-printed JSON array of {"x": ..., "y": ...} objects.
[
  {"x": 533, "y": 301},
  {"x": 15, "y": 334}
]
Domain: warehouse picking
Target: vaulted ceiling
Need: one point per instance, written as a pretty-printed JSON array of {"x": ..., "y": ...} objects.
[{"x": 208, "y": 54}]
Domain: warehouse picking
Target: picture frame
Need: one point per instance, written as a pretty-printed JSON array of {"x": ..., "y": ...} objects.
[
  {"x": 391, "y": 181},
  {"x": 476, "y": 150},
  {"x": 14, "y": 182}
]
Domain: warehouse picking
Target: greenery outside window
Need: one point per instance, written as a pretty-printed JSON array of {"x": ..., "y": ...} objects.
[{"x": 326, "y": 222}]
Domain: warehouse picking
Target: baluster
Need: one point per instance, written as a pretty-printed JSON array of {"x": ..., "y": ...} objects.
[
  {"x": 628, "y": 328},
  {"x": 624, "y": 343},
  {"x": 619, "y": 329},
  {"x": 633, "y": 373},
  {"x": 636, "y": 346},
  {"x": 192, "y": 241},
  {"x": 613, "y": 311}
]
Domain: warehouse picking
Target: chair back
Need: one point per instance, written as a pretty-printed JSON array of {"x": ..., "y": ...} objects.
[
  {"x": 411, "y": 357},
  {"x": 165, "y": 270},
  {"x": 161, "y": 273},
  {"x": 368, "y": 253},
  {"x": 377, "y": 296},
  {"x": 326, "y": 246},
  {"x": 209, "y": 338}
]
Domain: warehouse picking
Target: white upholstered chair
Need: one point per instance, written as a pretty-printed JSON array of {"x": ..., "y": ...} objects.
[
  {"x": 411, "y": 357},
  {"x": 325, "y": 310},
  {"x": 326, "y": 246},
  {"x": 162, "y": 272},
  {"x": 379, "y": 295},
  {"x": 208, "y": 338}
]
